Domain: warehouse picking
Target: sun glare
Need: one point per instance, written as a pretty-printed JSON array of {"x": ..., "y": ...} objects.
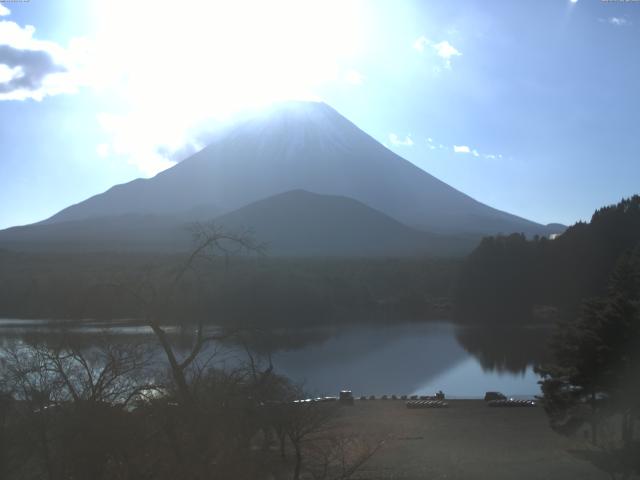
[{"x": 174, "y": 67}]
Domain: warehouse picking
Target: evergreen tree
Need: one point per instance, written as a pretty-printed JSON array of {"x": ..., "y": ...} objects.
[
  {"x": 595, "y": 378},
  {"x": 506, "y": 276}
]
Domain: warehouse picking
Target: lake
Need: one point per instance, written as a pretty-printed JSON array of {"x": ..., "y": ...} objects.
[{"x": 389, "y": 359}]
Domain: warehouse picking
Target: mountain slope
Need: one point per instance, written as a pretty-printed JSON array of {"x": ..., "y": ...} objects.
[
  {"x": 295, "y": 223},
  {"x": 129, "y": 232},
  {"x": 309, "y": 146}
]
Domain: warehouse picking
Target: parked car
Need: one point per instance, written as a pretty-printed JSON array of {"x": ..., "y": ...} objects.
[
  {"x": 490, "y": 396},
  {"x": 346, "y": 397}
]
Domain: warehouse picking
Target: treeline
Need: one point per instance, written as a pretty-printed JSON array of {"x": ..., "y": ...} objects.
[
  {"x": 506, "y": 277},
  {"x": 249, "y": 289}
]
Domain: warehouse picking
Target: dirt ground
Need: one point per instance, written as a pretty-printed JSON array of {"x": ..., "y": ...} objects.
[{"x": 467, "y": 440}]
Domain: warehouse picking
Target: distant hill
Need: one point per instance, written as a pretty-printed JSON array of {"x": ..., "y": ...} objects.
[
  {"x": 296, "y": 223},
  {"x": 308, "y": 146},
  {"x": 307, "y": 224}
]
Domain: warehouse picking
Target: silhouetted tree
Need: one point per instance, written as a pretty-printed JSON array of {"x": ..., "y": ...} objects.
[
  {"x": 497, "y": 281},
  {"x": 304, "y": 419},
  {"x": 71, "y": 407},
  {"x": 594, "y": 378},
  {"x": 506, "y": 276},
  {"x": 156, "y": 297}
]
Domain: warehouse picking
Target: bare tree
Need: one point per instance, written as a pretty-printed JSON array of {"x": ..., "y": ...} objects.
[
  {"x": 156, "y": 297},
  {"x": 339, "y": 456},
  {"x": 73, "y": 405},
  {"x": 195, "y": 430},
  {"x": 304, "y": 419}
]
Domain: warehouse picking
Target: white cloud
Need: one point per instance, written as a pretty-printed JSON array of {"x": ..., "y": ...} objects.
[
  {"x": 421, "y": 43},
  {"x": 34, "y": 69},
  {"x": 430, "y": 144},
  {"x": 4, "y": 11},
  {"x": 443, "y": 50},
  {"x": 401, "y": 142},
  {"x": 463, "y": 149},
  {"x": 619, "y": 21},
  {"x": 354, "y": 77},
  {"x": 7, "y": 73},
  {"x": 616, "y": 21}
]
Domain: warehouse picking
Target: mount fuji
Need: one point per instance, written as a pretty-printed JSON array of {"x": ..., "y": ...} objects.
[{"x": 306, "y": 150}]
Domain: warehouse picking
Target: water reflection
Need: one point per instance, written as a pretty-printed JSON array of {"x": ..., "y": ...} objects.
[
  {"x": 406, "y": 358},
  {"x": 504, "y": 349}
]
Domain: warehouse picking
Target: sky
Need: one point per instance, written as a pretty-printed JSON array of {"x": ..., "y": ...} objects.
[{"x": 532, "y": 107}]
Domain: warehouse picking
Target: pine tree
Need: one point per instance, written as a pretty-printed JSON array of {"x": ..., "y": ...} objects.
[{"x": 595, "y": 377}]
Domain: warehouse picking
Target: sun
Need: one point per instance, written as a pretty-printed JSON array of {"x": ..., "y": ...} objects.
[
  {"x": 214, "y": 57},
  {"x": 173, "y": 65}
]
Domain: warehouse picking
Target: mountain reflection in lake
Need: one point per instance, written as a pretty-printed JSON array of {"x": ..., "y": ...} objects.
[{"x": 406, "y": 358}]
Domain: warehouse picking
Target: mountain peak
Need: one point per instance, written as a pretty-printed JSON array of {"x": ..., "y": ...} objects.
[
  {"x": 302, "y": 145},
  {"x": 297, "y": 110},
  {"x": 296, "y": 116}
]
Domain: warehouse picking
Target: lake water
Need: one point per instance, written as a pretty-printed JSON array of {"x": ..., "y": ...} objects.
[
  {"x": 400, "y": 359},
  {"x": 407, "y": 359}
]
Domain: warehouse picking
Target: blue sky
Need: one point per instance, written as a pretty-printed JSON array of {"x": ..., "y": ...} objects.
[{"x": 532, "y": 106}]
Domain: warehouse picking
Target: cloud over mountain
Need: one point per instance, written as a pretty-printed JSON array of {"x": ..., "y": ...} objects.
[
  {"x": 29, "y": 69},
  {"x": 32, "y": 68}
]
